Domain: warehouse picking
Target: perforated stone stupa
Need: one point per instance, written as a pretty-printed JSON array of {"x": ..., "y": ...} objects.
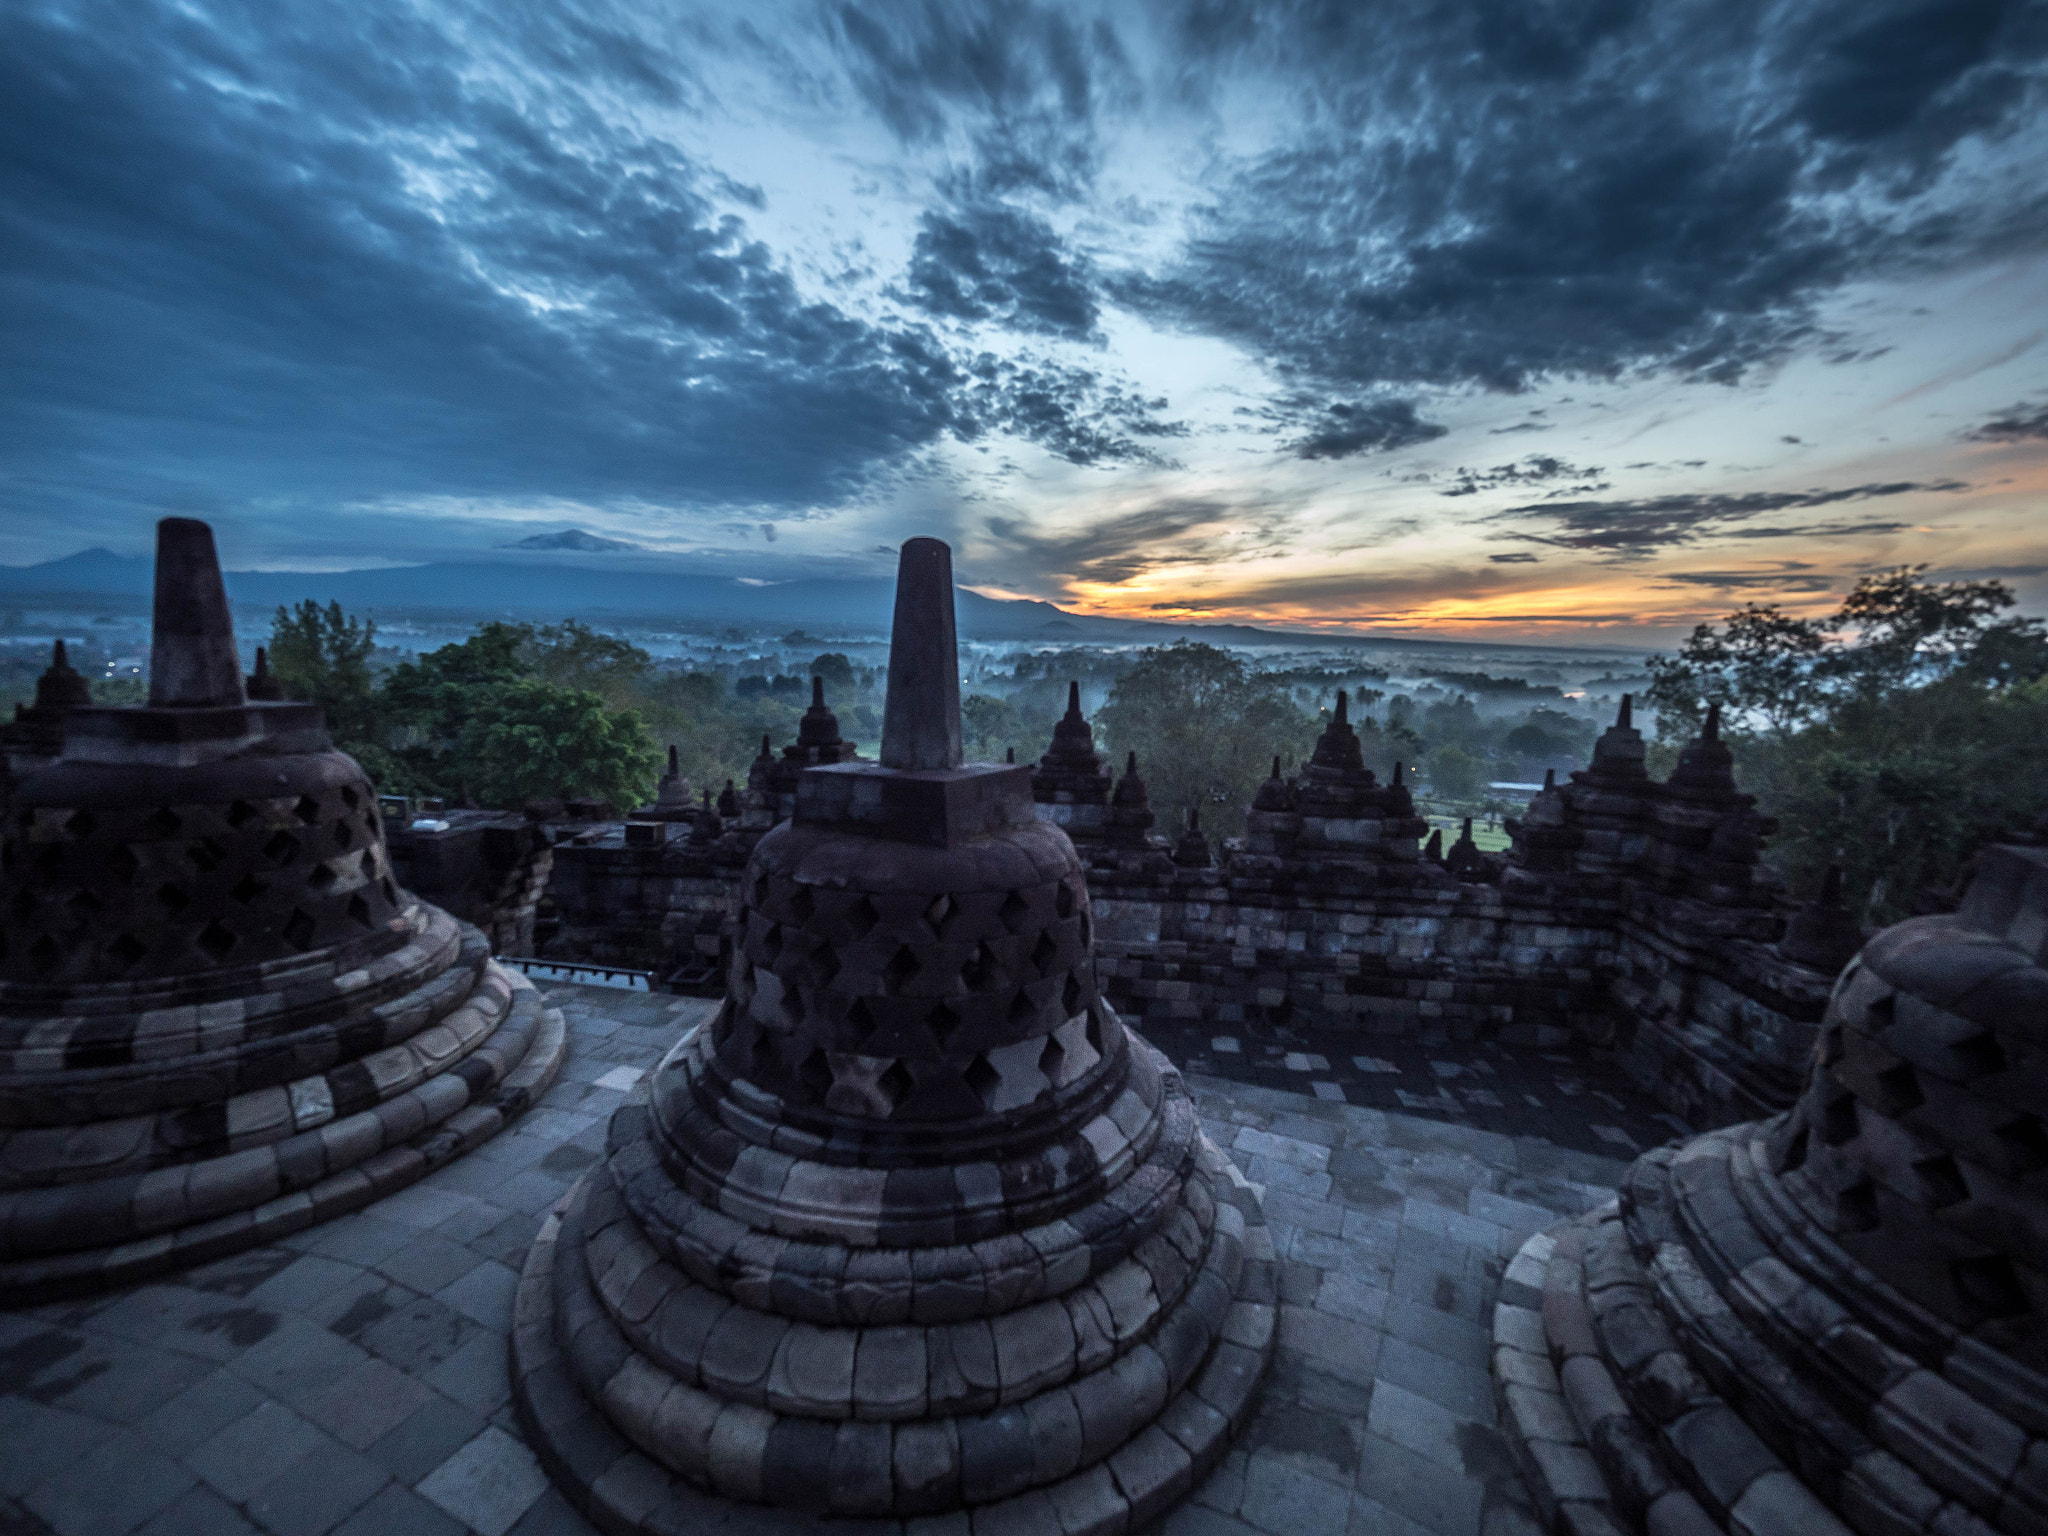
[
  {"x": 1837, "y": 1318},
  {"x": 914, "y": 1234},
  {"x": 220, "y": 1018}
]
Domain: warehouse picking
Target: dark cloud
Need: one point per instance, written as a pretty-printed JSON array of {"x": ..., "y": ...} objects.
[
  {"x": 1343, "y": 428},
  {"x": 1520, "y": 557},
  {"x": 1489, "y": 193},
  {"x": 1023, "y": 81},
  {"x": 1536, "y": 469},
  {"x": 1072, "y": 413},
  {"x": 1793, "y": 583},
  {"x": 2015, "y": 424},
  {"x": 995, "y": 262},
  {"x": 1638, "y": 527}
]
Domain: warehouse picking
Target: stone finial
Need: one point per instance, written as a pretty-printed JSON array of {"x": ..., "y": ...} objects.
[
  {"x": 1624, "y": 718},
  {"x": 1549, "y": 779},
  {"x": 263, "y": 685},
  {"x": 62, "y": 686},
  {"x": 675, "y": 762},
  {"x": 1433, "y": 850},
  {"x": 1010, "y": 755},
  {"x": 1399, "y": 782},
  {"x": 1272, "y": 794},
  {"x": 192, "y": 661},
  {"x": 1464, "y": 858},
  {"x": 1192, "y": 851},
  {"x": 728, "y": 800},
  {"x": 1823, "y": 935},
  {"x": 819, "y": 726},
  {"x": 1130, "y": 789},
  {"x": 1711, "y": 731},
  {"x": 921, "y": 718}
]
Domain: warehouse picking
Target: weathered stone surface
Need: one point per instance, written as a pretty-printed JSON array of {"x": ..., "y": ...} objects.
[
  {"x": 221, "y": 1019},
  {"x": 933, "y": 1228},
  {"x": 1837, "y": 1318}
]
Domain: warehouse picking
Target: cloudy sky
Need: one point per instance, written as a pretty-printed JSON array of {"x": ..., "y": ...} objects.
[{"x": 1544, "y": 318}]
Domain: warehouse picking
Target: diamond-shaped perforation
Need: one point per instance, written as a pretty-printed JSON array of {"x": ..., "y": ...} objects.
[
  {"x": 1838, "y": 1120},
  {"x": 802, "y": 905},
  {"x": 366, "y": 864},
  {"x": 943, "y": 1022},
  {"x": 940, "y": 913},
  {"x": 43, "y": 954},
  {"x": 217, "y": 939},
  {"x": 1898, "y": 1090},
  {"x": 299, "y": 929},
  {"x": 1990, "y": 1285},
  {"x": 1015, "y": 912},
  {"x": 1022, "y": 1009},
  {"x": 1052, "y": 1061},
  {"x": 1856, "y": 1207},
  {"x": 2023, "y": 1143},
  {"x": 127, "y": 949},
  {"x": 1978, "y": 1056},
  {"x": 122, "y": 863},
  {"x": 282, "y": 848},
  {"x": 240, "y": 813},
  {"x": 1072, "y": 994},
  {"x": 359, "y": 911},
  {"x": 983, "y": 1079},
  {"x": 1045, "y": 954},
  {"x": 307, "y": 810},
  {"x": 771, "y": 944},
  {"x": 320, "y": 877},
  {"x": 1064, "y": 902},
  {"x": 81, "y": 824},
  {"x": 162, "y": 822},
  {"x": 1831, "y": 1047},
  {"x": 816, "y": 1074},
  {"x": 824, "y": 965},
  {"x": 896, "y": 1084},
  {"x": 247, "y": 889},
  {"x": 173, "y": 898},
  {"x": 83, "y": 904},
  {"x": 900, "y": 970},
  {"x": 344, "y": 835},
  {"x": 1941, "y": 1181},
  {"x": 982, "y": 970},
  {"x": 349, "y": 797},
  {"x": 390, "y": 891},
  {"x": 1795, "y": 1152},
  {"x": 861, "y": 918}
]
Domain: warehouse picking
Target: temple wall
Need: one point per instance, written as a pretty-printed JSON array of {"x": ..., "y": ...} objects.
[
  {"x": 657, "y": 908},
  {"x": 489, "y": 868}
]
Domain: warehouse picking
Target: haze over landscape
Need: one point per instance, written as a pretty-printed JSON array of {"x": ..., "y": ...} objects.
[{"x": 1563, "y": 323}]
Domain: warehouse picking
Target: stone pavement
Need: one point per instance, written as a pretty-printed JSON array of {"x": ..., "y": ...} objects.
[{"x": 353, "y": 1378}]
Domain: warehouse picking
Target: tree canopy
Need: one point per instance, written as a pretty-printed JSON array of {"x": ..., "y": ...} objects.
[
  {"x": 1205, "y": 728},
  {"x": 1891, "y": 737}
]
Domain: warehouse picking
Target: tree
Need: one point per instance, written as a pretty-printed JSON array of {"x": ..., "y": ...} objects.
[
  {"x": 573, "y": 655},
  {"x": 837, "y": 670},
  {"x": 988, "y": 727},
  {"x": 1454, "y": 773},
  {"x": 1892, "y": 737},
  {"x": 529, "y": 740},
  {"x": 322, "y": 656},
  {"x": 1205, "y": 728}
]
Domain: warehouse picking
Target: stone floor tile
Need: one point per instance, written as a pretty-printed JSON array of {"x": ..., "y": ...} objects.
[
  {"x": 298, "y": 1363},
  {"x": 40, "y": 1440},
  {"x": 488, "y": 1484},
  {"x": 240, "y": 1458},
  {"x": 418, "y": 1334},
  {"x": 484, "y": 1295},
  {"x": 1336, "y": 1345},
  {"x": 1519, "y": 1217},
  {"x": 1281, "y": 1498},
  {"x": 111, "y": 1489},
  {"x": 551, "y": 1515},
  {"x": 305, "y": 1281},
  {"x": 1419, "y": 1489},
  {"x": 396, "y": 1511},
  {"x": 118, "y": 1382},
  {"x": 1415, "y": 1423},
  {"x": 366, "y": 1403},
  {"x": 203, "y": 1409},
  {"x": 436, "y": 1430},
  {"x": 477, "y": 1375},
  {"x": 1439, "y": 1331},
  {"x": 1465, "y": 1390},
  {"x": 1369, "y": 1517},
  {"x": 1316, "y": 1440},
  {"x": 420, "y": 1206},
  {"x": 199, "y": 1511},
  {"x": 1456, "y": 1225},
  {"x": 508, "y": 1241},
  {"x": 1200, "y": 1520},
  {"x": 619, "y": 1079},
  {"x": 318, "y": 1491},
  {"x": 532, "y": 1191},
  {"x": 363, "y": 1237},
  {"x": 428, "y": 1263}
]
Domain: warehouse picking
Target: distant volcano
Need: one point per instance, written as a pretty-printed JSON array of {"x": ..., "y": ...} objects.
[{"x": 572, "y": 538}]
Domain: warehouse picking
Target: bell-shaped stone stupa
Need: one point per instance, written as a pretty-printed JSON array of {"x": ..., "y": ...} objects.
[
  {"x": 220, "y": 1018},
  {"x": 914, "y": 1226}
]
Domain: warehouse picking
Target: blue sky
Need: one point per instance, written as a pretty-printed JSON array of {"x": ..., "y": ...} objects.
[{"x": 1473, "y": 317}]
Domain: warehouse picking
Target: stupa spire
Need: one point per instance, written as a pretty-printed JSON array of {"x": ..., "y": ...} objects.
[
  {"x": 192, "y": 661},
  {"x": 921, "y": 719}
]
